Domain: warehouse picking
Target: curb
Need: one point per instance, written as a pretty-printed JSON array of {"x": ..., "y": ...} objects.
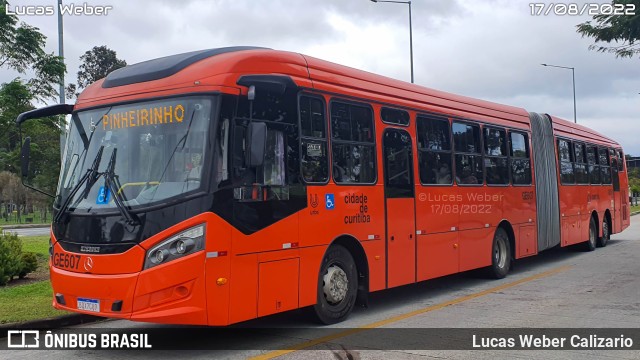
[
  {"x": 24, "y": 226},
  {"x": 52, "y": 323}
]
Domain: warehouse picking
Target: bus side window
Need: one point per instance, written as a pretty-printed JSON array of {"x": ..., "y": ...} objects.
[
  {"x": 594, "y": 169},
  {"x": 273, "y": 167},
  {"x": 605, "y": 170},
  {"x": 434, "y": 150},
  {"x": 466, "y": 141},
  {"x": 495, "y": 163},
  {"x": 352, "y": 148},
  {"x": 565, "y": 158},
  {"x": 580, "y": 164},
  {"x": 394, "y": 116},
  {"x": 313, "y": 129},
  {"x": 520, "y": 163},
  {"x": 621, "y": 161}
]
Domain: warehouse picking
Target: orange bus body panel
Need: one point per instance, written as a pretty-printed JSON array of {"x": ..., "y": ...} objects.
[{"x": 401, "y": 242}]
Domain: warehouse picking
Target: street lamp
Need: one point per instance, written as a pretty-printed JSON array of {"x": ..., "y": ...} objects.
[
  {"x": 410, "y": 28},
  {"x": 573, "y": 74},
  {"x": 61, "y": 47}
]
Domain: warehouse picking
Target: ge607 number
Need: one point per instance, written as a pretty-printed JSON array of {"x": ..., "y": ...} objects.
[{"x": 67, "y": 261}]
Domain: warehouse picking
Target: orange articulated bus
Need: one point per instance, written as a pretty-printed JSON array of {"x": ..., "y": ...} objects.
[{"x": 222, "y": 185}]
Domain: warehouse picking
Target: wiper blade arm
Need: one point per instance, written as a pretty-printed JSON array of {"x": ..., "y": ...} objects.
[
  {"x": 73, "y": 192},
  {"x": 94, "y": 174},
  {"x": 91, "y": 175},
  {"x": 112, "y": 183}
]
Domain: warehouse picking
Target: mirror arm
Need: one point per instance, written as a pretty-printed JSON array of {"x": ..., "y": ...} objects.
[{"x": 37, "y": 190}]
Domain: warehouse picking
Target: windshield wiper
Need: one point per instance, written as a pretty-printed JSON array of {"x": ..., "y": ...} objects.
[
  {"x": 91, "y": 175},
  {"x": 94, "y": 175},
  {"x": 112, "y": 183}
]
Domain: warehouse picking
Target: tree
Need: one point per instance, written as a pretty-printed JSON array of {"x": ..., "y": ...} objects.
[
  {"x": 623, "y": 30},
  {"x": 97, "y": 63},
  {"x": 634, "y": 180},
  {"x": 13, "y": 193},
  {"x": 15, "y": 98},
  {"x": 22, "y": 49},
  {"x": 20, "y": 45}
]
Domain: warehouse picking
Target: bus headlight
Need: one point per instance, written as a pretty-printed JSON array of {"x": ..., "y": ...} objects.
[{"x": 184, "y": 243}]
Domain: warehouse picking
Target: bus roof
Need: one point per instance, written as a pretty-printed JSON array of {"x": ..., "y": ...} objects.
[
  {"x": 215, "y": 69},
  {"x": 570, "y": 129},
  {"x": 325, "y": 73}
]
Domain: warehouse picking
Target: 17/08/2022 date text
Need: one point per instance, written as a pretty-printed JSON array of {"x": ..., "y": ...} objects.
[{"x": 573, "y": 9}]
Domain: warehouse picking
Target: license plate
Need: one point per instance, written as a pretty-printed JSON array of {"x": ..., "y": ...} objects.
[{"x": 89, "y": 304}]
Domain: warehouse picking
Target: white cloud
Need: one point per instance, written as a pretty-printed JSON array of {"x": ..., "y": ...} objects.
[{"x": 488, "y": 49}]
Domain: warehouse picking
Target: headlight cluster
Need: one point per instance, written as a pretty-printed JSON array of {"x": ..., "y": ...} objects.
[{"x": 177, "y": 246}]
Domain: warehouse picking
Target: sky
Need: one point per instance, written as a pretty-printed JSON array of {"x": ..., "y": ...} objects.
[{"x": 486, "y": 49}]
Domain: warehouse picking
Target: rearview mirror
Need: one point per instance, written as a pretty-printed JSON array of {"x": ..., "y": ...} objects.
[
  {"x": 256, "y": 141},
  {"x": 53, "y": 110},
  {"x": 24, "y": 157}
]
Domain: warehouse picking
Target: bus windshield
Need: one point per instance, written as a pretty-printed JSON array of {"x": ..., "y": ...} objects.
[{"x": 159, "y": 147}]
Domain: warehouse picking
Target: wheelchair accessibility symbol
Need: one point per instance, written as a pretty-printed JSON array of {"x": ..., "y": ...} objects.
[
  {"x": 103, "y": 196},
  {"x": 330, "y": 201}
]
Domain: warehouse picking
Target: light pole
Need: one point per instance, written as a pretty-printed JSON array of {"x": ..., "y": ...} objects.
[
  {"x": 573, "y": 75},
  {"x": 410, "y": 28},
  {"x": 61, "y": 47}
]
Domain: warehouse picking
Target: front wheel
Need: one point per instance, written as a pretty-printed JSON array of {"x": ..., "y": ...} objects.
[
  {"x": 501, "y": 255},
  {"x": 337, "y": 286},
  {"x": 606, "y": 233}
]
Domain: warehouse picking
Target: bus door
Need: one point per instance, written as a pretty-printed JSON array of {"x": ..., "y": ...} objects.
[
  {"x": 616, "y": 222},
  {"x": 400, "y": 207}
]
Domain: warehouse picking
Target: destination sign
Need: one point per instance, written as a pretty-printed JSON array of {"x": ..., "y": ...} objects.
[{"x": 146, "y": 116}]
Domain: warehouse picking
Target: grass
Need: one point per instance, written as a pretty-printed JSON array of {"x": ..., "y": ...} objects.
[
  {"x": 36, "y": 244},
  {"x": 27, "y": 302},
  {"x": 30, "y": 300}
]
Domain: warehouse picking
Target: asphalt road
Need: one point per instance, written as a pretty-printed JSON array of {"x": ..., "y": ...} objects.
[
  {"x": 40, "y": 231},
  {"x": 560, "y": 288}
]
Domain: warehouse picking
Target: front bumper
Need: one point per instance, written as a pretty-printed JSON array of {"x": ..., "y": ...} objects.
[{"x": 171, "y": 293}]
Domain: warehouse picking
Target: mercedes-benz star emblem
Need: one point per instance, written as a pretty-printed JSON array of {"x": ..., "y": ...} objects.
[{"x": 88, "y": 263}]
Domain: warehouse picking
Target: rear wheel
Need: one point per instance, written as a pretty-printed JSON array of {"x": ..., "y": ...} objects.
[
  {"x": 590, "y": 245},
  {"x": 606, "y": 233},
  {"x": 337, "y": 286},
  {"x": 501, "y": 255}
]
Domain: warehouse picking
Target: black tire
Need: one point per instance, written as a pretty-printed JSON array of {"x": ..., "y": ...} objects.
[
  {"x": 590, "y": 245},
  {"x": 606, "y": 233},
  {"x": 334, "y": 304},
  {"x": 500, "y": 255}
]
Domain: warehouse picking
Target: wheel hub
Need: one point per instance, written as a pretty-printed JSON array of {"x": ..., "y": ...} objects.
[
  {"x": 501, "y": 256},
  {"x": 336, "y": 284}
]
